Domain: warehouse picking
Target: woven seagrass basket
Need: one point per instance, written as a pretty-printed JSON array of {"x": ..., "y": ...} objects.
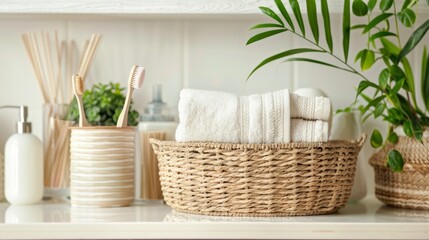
[
  {"x": 257, "y": 179},
  {"x": 407, "y": 189}
]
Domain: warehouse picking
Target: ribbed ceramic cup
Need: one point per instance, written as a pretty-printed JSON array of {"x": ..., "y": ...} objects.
[{"x": 102, "y": 166}]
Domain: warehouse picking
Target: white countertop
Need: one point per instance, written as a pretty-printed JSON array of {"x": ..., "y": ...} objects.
[{"x": 368, "y": 219}]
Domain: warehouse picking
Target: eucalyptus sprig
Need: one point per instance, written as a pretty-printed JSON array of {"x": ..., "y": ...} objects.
[{"x": 393, "y": 97}]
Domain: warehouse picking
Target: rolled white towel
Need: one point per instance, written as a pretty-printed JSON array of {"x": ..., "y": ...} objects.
[{"x": 309, "y": 131}]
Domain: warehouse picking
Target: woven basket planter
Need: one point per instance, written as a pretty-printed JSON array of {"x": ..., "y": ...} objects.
[
  {"x": 407, "y": 189},
  {"x": 257, "y": 179}
]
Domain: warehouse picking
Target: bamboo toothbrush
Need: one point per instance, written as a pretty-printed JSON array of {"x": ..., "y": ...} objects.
[
  {"x": 135, "y": 81},
  {"x": 78, "y": 88}
]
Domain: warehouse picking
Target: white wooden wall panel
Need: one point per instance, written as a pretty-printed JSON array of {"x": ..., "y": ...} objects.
[
  {"x": 18, "y": 84},
  {"x": 217, "y": 58},
  {"x": 198, "y": 7}
]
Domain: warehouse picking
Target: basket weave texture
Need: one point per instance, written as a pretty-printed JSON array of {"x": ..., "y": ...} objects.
[
  {"x": 407, "y": 189},
  {"x": 257, "y": 179}
]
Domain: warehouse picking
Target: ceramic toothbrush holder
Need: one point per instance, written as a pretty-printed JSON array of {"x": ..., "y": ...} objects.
[{"x": 102, "y": 166}]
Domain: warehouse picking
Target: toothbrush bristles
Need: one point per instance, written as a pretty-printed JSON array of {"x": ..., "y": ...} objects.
[
  {"x": 138, "y": 77},
  {"x": 79, "y": 84}
]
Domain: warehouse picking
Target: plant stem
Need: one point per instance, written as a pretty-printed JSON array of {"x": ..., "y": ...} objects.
[{"x": 397, "y": 26}]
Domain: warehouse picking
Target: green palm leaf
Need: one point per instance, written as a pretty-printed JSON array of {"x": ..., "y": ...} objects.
[
  {"x": 282, "y": 55},
  {"x": 285, "y": 14},
  {"x": 312, "y": 19},
  {"x": 327, "y": 24},
  {"x": 263, "y": 35},
  {"x": 346, "y": 29},
  {"x": 270, "y": 13},
  {"x": 297, "y": 12}
]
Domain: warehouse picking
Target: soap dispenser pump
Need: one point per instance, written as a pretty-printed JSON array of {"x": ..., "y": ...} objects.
[{"x": 23, "y": 163}]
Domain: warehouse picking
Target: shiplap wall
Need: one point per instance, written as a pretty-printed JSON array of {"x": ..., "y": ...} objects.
[{"x": 195, "y": 53}]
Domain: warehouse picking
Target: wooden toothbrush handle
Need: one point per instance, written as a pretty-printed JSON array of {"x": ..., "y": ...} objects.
[{"x": 123, "y": 117}]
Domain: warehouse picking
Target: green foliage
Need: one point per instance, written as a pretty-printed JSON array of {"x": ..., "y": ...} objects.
[
  {"x": 376, "y": 139},
  {"x": 103, "y": 105},
  {"x": 393, "y": 95},
  {"x": 395, "y": 161}
]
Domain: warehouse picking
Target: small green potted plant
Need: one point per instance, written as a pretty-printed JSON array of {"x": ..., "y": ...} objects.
[
  {"x": 392, "y": 97},
  {"x": 103, "y": 105}
]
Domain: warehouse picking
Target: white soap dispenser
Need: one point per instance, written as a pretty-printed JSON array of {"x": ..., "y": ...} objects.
[{"x": 23, "y": 164}]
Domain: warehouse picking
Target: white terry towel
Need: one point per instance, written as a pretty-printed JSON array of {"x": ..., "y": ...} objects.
[
  {"x": 310, "y": 108},
  {"x": 309, "y": 131},
  {"x": 260, "y": 118},
  {"x": 208, "y": 116}
]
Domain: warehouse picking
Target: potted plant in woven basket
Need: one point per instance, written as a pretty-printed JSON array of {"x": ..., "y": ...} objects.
[{"x": 402, "y": 162}]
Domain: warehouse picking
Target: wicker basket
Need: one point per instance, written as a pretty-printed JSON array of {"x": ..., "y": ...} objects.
[
  {"x": 257, "y": 179},
  {"x": 407, "y": 189}
]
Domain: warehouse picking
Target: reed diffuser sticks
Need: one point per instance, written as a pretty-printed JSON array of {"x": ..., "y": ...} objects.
[{"x": 54, "y": 61}]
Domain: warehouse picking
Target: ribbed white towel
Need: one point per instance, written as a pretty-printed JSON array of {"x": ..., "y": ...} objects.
[
  {"x": 309, "y": 131},
  {"x": 260, "y": 118},
  {"x": 310, "y": 108}
]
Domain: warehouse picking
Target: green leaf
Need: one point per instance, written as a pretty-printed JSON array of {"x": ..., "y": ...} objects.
[
  {"x": 398, "y": 86},
  {"x": 312, "y": 19},
  {"x": 297, "y": 12},
  {"x": 359, "y": 54},
  {"x": 371, "y": 4},
  {"x": 346, "y": 29},
  {"x": 263, "y": 35},
  {"x": 414, "y": 39},
  {"x": 409, "y": 77},
  {"x": 425, "y": 78},
  {"x": 266, "y": 25},
  {"x": 285, "y": 14},
  {"x": 372, "y": 103},
  {"x": 379, "y": 109},
  {"x": 381, "y": 34},
  {"x": 364, "y": 84},
  {"x": 376, "y": 139},
  {"x": 270, "y": 13},
  {"x": 408, "y": 128},
  {"x": 395, "y": 161},
  {"x": 374, "y": 22},
  {"x": 395, "y": 114},
  {"x": 389, "y": 46},
  {"x": 393, "y": 138},
  {"x": 407, "y": 17},
  {"x": 310, "y": 60},
  {"x": 327, "y": 24},
  {"x": 396, "y": 72},
  {"x": 282, "y": 55},
  {"x": 367, "y": 59},
  {"x": 385, "y": 5},
  {"x": 357, "y": 26},
  {"x": 408, "y": 4},
  {"x": 359, "y": 8},
  {"x": 383, "y": 78}
]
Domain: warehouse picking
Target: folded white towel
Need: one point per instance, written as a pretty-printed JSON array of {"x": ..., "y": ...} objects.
[
  {"x": 208, "y": 116},
  {"x": 309, "y": 131},
  {"x": 310, "y": 108},
  {"x": 260, "y": 118}
]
